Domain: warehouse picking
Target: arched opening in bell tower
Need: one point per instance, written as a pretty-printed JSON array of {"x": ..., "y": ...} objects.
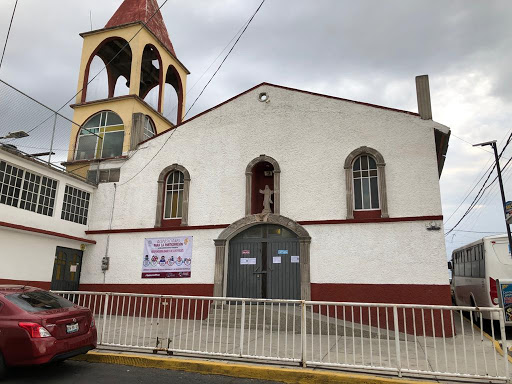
[
  {"x": 115, "y": 55},
  {"x": 173, "y": 96},
  {"x": 151, "y": 77}
]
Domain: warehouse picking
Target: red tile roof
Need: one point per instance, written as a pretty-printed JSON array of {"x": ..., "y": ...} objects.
[{"x": 132, "y": 11}]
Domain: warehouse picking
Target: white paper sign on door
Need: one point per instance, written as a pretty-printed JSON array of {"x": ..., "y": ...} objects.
[
  {"x": 294, "y": 259},
  {"x": 248, "y": 261},
  {"x": 277, "y": 259}
]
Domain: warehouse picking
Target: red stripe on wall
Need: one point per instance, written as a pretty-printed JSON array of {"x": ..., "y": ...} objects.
[
  {"x": 310, "y": 222},
  {"x": 37, "y": 284},
  {"x": 383, "y": 293},
  {"x": 155, "y": 289},
  {"x": 45, "y": 232}
]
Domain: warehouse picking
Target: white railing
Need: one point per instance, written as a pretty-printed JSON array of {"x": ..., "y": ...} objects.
[{"x": 398, "y": 338}]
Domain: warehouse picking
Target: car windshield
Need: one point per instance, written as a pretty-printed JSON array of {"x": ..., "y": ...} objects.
[{"x": 38, "y": 301}]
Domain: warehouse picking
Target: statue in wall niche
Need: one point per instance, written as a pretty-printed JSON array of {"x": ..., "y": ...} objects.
[{"x": 267, "y": 200}]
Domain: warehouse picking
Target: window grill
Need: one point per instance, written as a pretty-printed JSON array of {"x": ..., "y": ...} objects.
[
  {"x": 27, "y": 190},
  {"x": 76, "y": 205}
]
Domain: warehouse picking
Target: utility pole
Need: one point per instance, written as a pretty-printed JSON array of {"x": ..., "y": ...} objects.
[{"x": 503, "y": 200}]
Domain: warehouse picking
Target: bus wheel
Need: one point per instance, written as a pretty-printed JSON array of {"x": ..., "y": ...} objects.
[{"x": 475, "y": 314}]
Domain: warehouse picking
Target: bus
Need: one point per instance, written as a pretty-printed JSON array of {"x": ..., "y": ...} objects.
[{"x": 475, "y": 269}]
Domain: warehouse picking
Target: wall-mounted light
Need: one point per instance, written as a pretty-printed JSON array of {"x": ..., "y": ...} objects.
[
  {"x": 433, "y": 226},
  {"x": 263, "y": 97}
]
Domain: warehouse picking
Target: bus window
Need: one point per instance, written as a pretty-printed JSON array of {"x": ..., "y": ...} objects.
[
  {"x": 467, "y": 264},
  {"x": 475, "y": 263},
  {"x": 482, "y": 261}
]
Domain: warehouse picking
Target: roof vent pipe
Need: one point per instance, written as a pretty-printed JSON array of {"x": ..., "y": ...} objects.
[{"x": 423, "y": 94}]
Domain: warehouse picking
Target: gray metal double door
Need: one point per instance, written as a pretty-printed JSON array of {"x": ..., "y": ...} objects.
[{"x": 264, "y": 268}]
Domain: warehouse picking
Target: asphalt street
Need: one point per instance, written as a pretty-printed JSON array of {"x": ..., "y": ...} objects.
[{"x": 79, "y": 372}]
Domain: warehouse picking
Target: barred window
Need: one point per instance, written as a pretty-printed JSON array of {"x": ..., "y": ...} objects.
[
  {"x": 27, "y": 190},
  {"x": 11, "y": 178},
  {"x": 47, "y": 196},
  {"x": 76, "y": 205},
  {"x": 31, "y": 186}
]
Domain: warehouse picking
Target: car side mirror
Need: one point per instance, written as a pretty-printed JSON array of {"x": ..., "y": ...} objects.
[{"x": 450, "y": 265}]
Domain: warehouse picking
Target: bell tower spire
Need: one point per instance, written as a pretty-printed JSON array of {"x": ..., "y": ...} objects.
[{"x": 136, "y": 49}]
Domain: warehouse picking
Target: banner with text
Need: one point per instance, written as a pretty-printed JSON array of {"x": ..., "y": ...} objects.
[{"x": 167, "y": 257}]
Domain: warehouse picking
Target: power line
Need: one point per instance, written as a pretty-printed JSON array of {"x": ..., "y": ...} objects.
[
  {"x": 211, "y": 65},
  {"x": 468, "y": 193},
  {"x": 225, "y": 58},
  {"x": 209, "y": 81},
  {"x": 8, "y": 32},
  {"x": 467, "y": 142},
  {"x": 113, "y": 58},
  {"x": 478, "y": 195},
  {"x": 460, "y": 230}
]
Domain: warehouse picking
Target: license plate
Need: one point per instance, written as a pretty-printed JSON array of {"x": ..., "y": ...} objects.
[{"x": 71, "y": 328}]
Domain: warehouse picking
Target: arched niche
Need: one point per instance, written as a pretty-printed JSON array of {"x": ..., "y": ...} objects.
[
  {"x": 116, "y": 54},
  {"x": 175, "y": 105},
  {"x": 151, "y": 74},
  {"x": 222, "y": 245},
  {"x": 260, "y": 164}
]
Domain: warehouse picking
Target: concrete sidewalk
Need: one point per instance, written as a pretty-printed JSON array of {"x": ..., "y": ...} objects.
[{"x": 340, "y": 345}]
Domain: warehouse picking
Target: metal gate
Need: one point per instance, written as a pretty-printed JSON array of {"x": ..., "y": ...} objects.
[
  {"x": 66, "y": 269},
  {"x": 263, "y": 263}
]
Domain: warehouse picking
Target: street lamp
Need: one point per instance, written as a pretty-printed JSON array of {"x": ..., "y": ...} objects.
[
  {"x": 15, "y": 135},
  {"x": 498, "y": 169}
]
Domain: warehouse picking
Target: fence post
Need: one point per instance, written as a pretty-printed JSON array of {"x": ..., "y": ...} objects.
[
  {"x": 504, "y": 344},
  {"x": 105, "y": 308},
  {"x": 242, "y": 328},
  {"x": 303, "y": 333},
  {"x": 397, "y": 341}
]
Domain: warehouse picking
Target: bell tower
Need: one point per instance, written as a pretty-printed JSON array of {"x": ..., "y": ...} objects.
[{"x": 136, "y": 49}]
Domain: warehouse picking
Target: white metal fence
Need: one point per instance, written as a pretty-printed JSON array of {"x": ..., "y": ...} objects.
[{"x": 398, "y": 338}]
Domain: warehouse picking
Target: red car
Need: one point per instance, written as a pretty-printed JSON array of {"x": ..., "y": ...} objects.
[{"x": 38, "y": 327}]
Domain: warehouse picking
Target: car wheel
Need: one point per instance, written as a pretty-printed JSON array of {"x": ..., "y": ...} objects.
[{"x": 2, "y": 367}]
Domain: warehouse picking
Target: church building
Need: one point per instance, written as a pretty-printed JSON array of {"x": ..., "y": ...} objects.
[{"x": 274, "y": 193}]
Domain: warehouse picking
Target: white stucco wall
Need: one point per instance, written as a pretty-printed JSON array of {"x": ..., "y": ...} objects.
[
  {"x": 26, "y": 256},
  {"x": 378, "y": 253},
  {"x": 53, "y": 223},
  {"x": 310, "y": 136},
  {"x": 126, "y": 253}
]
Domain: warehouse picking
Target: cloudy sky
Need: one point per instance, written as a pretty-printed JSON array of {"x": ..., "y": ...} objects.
[{"x": 367, "y": 50}]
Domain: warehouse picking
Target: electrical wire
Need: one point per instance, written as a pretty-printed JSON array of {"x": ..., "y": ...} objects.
[
  {"x": 106, "y": 65},
  {"x": 209, "y": 81},
  {"x": 225, "y": 58},
  {"x": 8, "y": 33},
  {"x": 478, "y": 195},
  {"x": 468, "y": 193}
]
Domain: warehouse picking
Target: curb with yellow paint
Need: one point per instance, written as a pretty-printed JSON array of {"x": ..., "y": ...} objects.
[
  {"x": 245, "y": 371},
  {"x": 495, "y": 342}
]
